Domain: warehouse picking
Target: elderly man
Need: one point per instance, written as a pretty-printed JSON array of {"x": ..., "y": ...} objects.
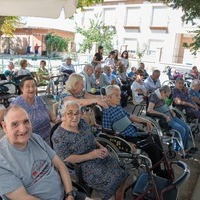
[
  {"x": 99, "y": 79},
  {"x": 10, "y": 73},
  {"x": 195, "y": 91},
  {"x": 152, "y": 83},
  {"x": 87, "y": 72},
  {"x": 67, "y": 67},
  {"x": 117, "y": 119},
  {"x": 29, "y": 168}
]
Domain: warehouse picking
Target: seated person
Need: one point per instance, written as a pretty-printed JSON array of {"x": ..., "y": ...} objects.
[
  {"x": 131, "y": 74},
  {"x": 74, "y": 142},
  {"x": 152, "y": 82},
  {"x": 29, "y": 168},
  {"x": 140, "y": 93},
  {"x": 194, "y": 91},
  {"x": 158, "y": 107},
  {"x": 182, "y": 99},
  {"x": 86, "y": 73},
  {"x": 142, "y": 67},
  {"x": 117, "y": 119},
  {"x": 44, "y": 77},
  {"x": 113, "y": 79},
  {"x": 11, "y": 73},
  {"x": 23, "y": 70},
  {"x": 98, "y": 79},
  {"x": 194, "y": 72},
  {"x": 67, "y": 67},
  {"x": 75, "y": 91}
]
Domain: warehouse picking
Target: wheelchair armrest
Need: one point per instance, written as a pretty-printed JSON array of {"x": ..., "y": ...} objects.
[
  {"x": 126, "y": 155},
  {"x": 109, "y": 131},
  {"x": 70, "y": 165},
  {"x": 185, "y": 175},
  {"x": 158, "y": 116}
]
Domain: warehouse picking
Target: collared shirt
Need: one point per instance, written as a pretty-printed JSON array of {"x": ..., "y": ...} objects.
[
  {"x": 152, "y": 84},
  {"x": 64, "y": 67},
  {"x": 111, "y": 77},
  {"x": 87, "y": 81},
  {"x": 103, "y": 81},
  {"x": 113, "y": 114},
  {"x": 194, "y": 93}
]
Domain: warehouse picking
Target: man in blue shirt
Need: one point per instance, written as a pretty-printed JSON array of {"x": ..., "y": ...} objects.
[{"x": 117, "y": 119}]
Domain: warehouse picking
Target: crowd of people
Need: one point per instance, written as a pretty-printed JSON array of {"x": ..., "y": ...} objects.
[{"x": 28, "y": 166}]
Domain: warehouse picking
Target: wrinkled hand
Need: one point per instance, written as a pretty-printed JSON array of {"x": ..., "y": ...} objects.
[
  {"x": 149, "y": 126},
  {"x": 167, "y": 118},
  {"x": 99, "y": 153}
]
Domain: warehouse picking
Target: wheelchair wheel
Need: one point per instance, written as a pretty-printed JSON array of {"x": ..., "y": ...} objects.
[
  {"x": 111, "y": 147},
  {"x": 171, "y": 154},
  {"x": 169, "y": 83}
]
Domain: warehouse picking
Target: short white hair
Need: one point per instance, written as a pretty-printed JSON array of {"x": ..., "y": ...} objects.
[{"x": 69, "y": 103}]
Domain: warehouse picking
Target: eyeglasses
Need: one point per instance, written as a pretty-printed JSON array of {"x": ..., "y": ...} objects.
[{"x": 71, "y": 114}]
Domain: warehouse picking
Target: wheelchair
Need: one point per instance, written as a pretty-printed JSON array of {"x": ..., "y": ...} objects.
[{"x": 8, "y": 91}]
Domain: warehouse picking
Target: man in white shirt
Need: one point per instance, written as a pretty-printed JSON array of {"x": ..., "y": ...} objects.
[{"x": 67, "y": 67}]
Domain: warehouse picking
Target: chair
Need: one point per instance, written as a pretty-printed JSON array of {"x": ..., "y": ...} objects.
[
  {"x": 138, "y": 107},
  {"x": 8, "y": 91},
  {"x": 149, "y": 186}
]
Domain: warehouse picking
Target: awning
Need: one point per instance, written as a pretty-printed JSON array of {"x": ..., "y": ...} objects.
[{"x": 37, "y": 8}]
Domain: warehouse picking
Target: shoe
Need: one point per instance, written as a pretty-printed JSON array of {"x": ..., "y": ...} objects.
[
  {"x": 192, "y": 150},
  {"x": 187, "y": 157}
]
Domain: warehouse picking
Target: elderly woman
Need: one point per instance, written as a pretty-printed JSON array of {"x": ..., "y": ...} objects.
[
  {"x": 182, "y": 99},
  {"x": 39, "y": 114},
  {"x": 74, "y": 142},
  {"x": 158, "y": 107},
  {"x": 23, "y": 70},
  {"x": 138, "y": 88},
  {"x": 195, "y": 91},
  {"x": 75, "y": 91}
]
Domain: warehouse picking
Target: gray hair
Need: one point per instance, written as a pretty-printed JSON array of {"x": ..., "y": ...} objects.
[
  {"x": 72, "y": 81},
  {"x": 69, "y": 103},
  {"x": 165, "y": 88},
  {"x": 106, "y": 67},
  {"x": 111, "y": 88},
  {"x": 12, "y": 108},
  {"x": 195, "y": 82},
  {"x": 88, "y": 66}
]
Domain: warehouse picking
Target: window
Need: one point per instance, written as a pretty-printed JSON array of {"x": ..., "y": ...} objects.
[
  {"x": 132, "y": 16},
  {"x": 160, "y": 17},
  {"x": 154, "y": 45},
  {"x": 109, "y": 16}
]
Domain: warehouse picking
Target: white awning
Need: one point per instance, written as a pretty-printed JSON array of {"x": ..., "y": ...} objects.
[{"x": 37, "y": 8}]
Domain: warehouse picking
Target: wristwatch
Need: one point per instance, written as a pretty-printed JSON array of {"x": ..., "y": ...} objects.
[{"x": 71, "y": 193}]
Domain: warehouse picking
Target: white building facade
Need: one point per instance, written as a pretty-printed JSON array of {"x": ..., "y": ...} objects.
[{"x": 140, "y": 25}]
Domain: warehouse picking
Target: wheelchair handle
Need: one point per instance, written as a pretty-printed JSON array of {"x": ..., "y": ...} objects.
[{"x": 185, "y": 175}]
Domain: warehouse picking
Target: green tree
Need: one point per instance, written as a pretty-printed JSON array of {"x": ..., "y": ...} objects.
[
  {"x": 97, "y": 32},
  {"x": 56, "y": 43},
  {"x": 191, "y": 11},
  {"x": 8, "y": 24},
  {"x": 82, "y": 3}
]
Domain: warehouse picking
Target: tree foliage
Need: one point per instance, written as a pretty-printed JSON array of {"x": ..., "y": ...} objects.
[
  {"x": 56, "y": 43},
  {"x": 82, "y": 3},
  {"x": 191, "y": 12},
  {"x": 96, "y": 32},
  {"x": 8, "y": 24}
]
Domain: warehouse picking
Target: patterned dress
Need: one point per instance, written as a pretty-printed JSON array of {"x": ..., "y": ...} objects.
[
  {"x": 104, "y": 175},
  {"x": 38, "y": 115}
]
